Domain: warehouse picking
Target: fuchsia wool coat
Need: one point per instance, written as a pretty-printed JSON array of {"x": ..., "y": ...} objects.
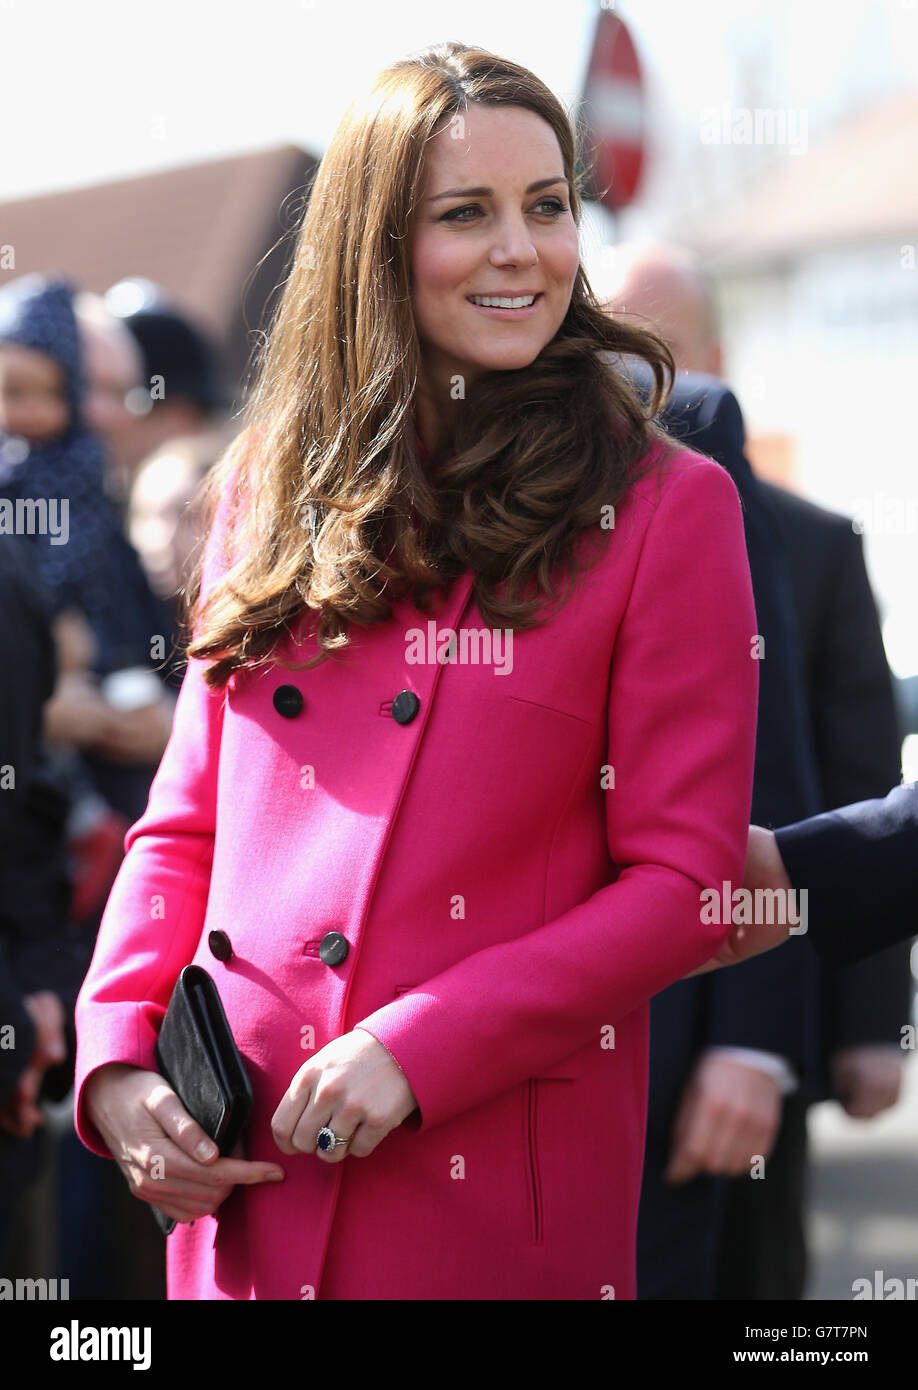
[{"x": 515, "y": 869}]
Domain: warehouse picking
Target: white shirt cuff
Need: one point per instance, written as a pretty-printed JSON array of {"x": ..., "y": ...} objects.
[{"x": 769, "y": 1062}]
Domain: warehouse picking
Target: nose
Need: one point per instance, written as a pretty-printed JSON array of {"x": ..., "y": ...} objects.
[{"x": 513, "y": 244}]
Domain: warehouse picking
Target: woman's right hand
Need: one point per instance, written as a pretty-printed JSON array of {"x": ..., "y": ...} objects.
[{"x": 163, "y": 1153}]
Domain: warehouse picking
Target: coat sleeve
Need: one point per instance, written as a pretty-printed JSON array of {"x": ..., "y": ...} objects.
[
  {"x": 155, "y": 912},
  {"x": 681, "y": 737}
]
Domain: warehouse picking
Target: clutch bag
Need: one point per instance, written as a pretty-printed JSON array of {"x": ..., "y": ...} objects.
[{"x": 197, "y": 1054}]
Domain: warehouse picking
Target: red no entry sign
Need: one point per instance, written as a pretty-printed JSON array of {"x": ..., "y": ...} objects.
[{"x": 613, "y": 114}]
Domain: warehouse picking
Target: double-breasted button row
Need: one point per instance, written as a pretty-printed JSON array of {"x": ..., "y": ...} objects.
[
  {"x": 333, "y": 947},
  {"x": 288, "y": 701}
]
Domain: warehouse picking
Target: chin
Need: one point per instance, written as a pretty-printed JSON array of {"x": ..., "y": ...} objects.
[{"x": 510, "y": 361}]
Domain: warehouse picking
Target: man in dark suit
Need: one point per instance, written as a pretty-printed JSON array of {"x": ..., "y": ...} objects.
[
  {"x": 726, "y": 1050},
  {"x": 859, "y": 867},
  {"x": 807, "y": 713},
  {"x": 858, "y": 750},
  {"x": 858, "y": 1012}
]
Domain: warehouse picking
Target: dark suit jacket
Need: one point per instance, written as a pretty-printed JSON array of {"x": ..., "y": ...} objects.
[
  {"x": 769, "y": 1004},
  {"x": 856, "y": 737},
  {"x": 859, "y": 866}
]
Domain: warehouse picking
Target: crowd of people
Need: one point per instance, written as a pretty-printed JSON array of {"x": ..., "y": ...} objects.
[{"x": 92, "y": 665}]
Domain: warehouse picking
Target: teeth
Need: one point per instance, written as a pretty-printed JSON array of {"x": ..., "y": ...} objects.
[{"x": 493, "y": 301}]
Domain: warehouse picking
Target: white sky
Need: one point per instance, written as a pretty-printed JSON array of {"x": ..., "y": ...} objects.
[{"x": 98, "y": 89}]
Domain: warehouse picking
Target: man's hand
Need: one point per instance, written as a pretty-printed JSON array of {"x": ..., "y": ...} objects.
[
  {"x": 353, "y": 1086},
  {"x": 20, "y": 1114},
  {"x": 867, "y": 1079},
  {"x": 137, "y": 735},
  {"x": 728, "y": 1113},
  {"x": 764, "y": 869}
]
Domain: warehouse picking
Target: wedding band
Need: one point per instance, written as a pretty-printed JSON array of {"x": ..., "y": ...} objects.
[{"x": 327, "y": 1139}]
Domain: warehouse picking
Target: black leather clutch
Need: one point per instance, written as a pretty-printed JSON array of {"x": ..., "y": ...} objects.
[{"x": 197, "y": 1055}]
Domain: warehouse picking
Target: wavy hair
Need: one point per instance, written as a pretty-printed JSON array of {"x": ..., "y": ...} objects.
[{"x": 334, "y": 511}]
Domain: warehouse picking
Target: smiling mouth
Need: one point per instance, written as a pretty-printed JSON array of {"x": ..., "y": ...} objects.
[{"x": 504, "y": 301}]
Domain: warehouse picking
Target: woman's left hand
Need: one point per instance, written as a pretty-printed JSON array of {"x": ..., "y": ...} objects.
[{"x": 354, "y": 1087}]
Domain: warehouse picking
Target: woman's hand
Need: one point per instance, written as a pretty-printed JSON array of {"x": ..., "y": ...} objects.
[
  {"x": 353, "y": 1086},
  {"x": 163, "y": 1153}
]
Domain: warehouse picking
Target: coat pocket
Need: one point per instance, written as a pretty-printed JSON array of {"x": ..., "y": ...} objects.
[{"x": 533, "y": 1173}]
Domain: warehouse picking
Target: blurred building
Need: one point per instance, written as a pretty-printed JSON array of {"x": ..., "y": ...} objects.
[
  {"x": 817, "y": 271},
  {"x": 216, "y": 235}
]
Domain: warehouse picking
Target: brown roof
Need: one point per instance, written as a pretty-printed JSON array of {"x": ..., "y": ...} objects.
[
  {"x": 199, "y": 230},
  {"x": 859, "y": 184}
]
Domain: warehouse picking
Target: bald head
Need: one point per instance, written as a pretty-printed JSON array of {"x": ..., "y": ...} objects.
[{"x": 666, "y": 289}]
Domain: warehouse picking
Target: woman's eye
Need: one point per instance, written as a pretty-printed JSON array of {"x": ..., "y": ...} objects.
[
  {"x": 554, "y": 206},
  {"x": 454, "y": 215}
]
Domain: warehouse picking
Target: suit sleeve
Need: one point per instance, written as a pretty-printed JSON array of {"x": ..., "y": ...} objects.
[
  {"x": 155, "y": 912},
  {"x": 858, "y": 743},
  {"x": 859, "y": 867},
  {"x": 681, "y": 733}
]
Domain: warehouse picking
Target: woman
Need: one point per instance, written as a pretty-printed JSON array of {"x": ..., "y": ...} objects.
[{"x": 468, "y": 727}]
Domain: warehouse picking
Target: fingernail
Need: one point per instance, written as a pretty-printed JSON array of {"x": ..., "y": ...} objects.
[
  {"x": 205, "y": 1149},
  {"x": 276, "y": 1176}
]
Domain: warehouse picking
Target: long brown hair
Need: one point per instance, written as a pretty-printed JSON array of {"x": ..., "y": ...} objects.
[{"x": 336, "y": 512}]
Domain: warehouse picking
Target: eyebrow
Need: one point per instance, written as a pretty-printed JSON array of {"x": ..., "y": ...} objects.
[{"x": 489, "y": 192}]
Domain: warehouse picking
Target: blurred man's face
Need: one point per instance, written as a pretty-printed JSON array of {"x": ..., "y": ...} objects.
[
  {"x": 162, "y": 525},
  {"x": 676, "y": 309},
  {"x": 112, "y": 374},
  {"x": 118, "y": 406}
]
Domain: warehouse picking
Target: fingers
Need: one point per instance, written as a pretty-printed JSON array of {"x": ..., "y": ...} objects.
[
  {"x": 188, "y": 1136},
  {"x": 199, "y": 1154},
  {"x": 161, "y": 1174},
  {"x": 290, "y": 1112},
  {"x": 47, "y": 1014},
  {"x": 718, "y": 1137},
  {"x": 342, "y": 1122},
  {"x": 691, "y": 1140}
]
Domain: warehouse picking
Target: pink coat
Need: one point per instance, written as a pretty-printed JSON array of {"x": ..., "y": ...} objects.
[{"x": 516, "y": 869}]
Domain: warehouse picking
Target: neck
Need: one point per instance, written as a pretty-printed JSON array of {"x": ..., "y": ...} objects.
[{"x": 434, "y": 411}]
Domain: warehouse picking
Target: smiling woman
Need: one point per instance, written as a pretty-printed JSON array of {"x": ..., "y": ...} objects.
[{"x": 441, "y": 424}]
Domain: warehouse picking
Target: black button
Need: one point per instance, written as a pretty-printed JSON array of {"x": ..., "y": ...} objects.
[
  {"x": 405, "y": 706},
  {"x": 333, "y": 948},
  {"x": 288, "y": 701},
  {"x": 220, "y": 945}
]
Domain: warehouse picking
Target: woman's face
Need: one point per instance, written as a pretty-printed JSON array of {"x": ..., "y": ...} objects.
[{"x": 494, "y": 221}]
